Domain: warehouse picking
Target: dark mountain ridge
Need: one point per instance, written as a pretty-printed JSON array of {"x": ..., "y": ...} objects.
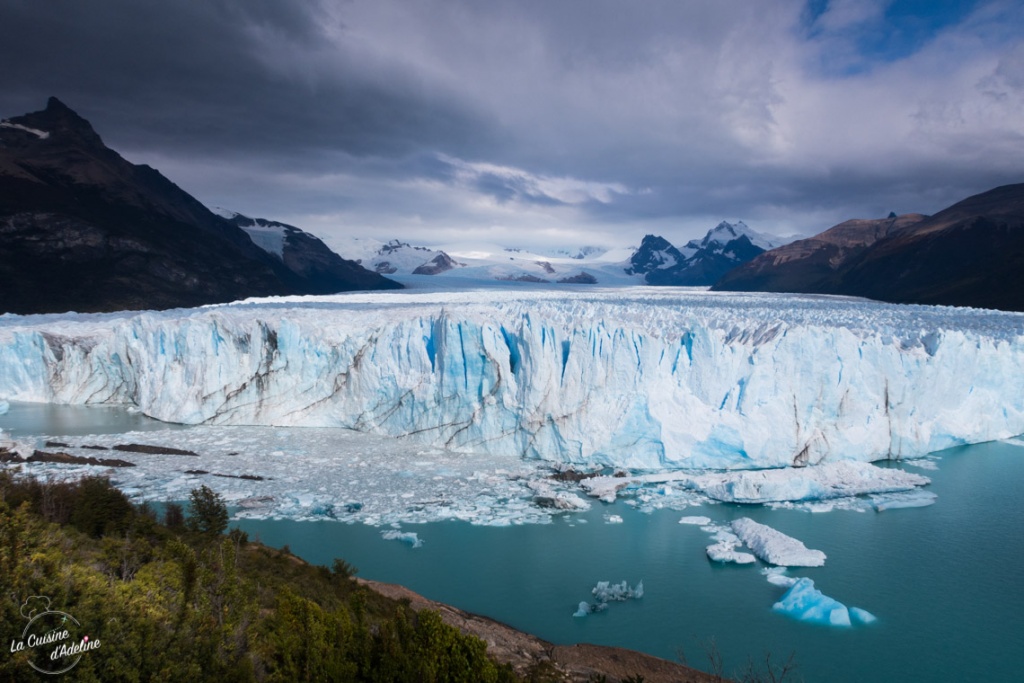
[
  {"x": 969, "y": 254},
  {"x": 83, "y": 229}
]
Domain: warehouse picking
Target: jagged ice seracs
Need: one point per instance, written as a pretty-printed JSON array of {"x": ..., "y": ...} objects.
[{"x": 639, "y": 378}]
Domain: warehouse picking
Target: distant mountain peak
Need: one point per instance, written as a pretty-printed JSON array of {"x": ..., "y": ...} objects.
[
  {"x": 700, "y": 262},
  {"x": 61, "y": 122}
]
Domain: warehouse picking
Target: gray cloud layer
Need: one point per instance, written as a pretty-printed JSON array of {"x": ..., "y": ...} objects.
[{"x": 534, "y": 121}]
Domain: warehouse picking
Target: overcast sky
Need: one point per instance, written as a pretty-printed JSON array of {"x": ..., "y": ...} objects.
[{"x": 525, "y": 122}]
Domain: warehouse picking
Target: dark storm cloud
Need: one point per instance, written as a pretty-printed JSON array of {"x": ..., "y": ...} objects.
[
  {"x": 217, "y": 77},
  {"x": 582, "y": 118}
]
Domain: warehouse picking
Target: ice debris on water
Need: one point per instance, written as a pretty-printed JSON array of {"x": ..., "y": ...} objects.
[
  {"x": 409, "y": 537},
  {"x": 827, "y": 481},
  {"x": 319, "y": 474},
  {"x": 806, "y": 603},
  {"x": 605, "y": 592},
  {"x": 695, "y": 520},
  {"x": 910, "y": 499}
]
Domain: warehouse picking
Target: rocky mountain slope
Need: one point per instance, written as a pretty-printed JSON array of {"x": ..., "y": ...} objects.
[
  {"x": 83, "y": 229},
  {"x": 969, "y": 254},
  {"x": 306, "y": 255},
  {"x": 813, "y": 264}
]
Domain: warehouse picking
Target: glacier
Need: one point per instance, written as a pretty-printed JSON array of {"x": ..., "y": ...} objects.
[{"x": 639, "y": 378}]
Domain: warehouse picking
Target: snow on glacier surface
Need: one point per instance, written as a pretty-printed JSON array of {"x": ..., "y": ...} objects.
[{"x": 640, "y": 378}]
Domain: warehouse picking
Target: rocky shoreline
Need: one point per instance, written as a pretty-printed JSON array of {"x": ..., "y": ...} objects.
[{"x": 526, "y": 653}]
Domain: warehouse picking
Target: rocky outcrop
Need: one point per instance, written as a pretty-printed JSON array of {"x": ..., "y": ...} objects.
[{"x": 439, "y": 264}]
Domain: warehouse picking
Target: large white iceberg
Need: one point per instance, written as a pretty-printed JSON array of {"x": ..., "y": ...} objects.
[
  {"x": 640, "y": 378},
  {"x": 775, "y": 547}
]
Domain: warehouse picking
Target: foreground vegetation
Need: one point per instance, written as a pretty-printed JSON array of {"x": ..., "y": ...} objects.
[{"x": 180, "y": 600}]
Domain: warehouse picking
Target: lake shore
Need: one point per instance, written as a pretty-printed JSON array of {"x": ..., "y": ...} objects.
[{"x": 524, "y": 652}]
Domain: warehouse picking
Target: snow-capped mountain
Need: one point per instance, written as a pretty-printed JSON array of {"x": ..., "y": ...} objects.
[
  {"x": 701, "y": 262},
  {"x": 722, "y": 235},
  {"x": 458, "y": 264},
  {"x": 610, "y": 376},
  {"x": 304, "y": 254}
]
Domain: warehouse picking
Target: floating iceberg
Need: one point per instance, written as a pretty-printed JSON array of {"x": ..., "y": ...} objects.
[
  {"x": 805, "y": 602},
  {"x": 777, "y": 576},
  {"x": 409, "y": 537},
  {"x": 726, "y": 546},
  {"x": 775, "y": 547},
  {"x": 633, "y": 377},
  {"x": 725, "y": 552},
  {"x": 605, "y": 592}
]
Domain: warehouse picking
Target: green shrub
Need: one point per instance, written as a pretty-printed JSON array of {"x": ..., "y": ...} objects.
[{"x": 208, "y": 514}]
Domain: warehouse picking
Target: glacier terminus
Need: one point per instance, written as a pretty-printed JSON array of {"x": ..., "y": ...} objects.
[{"x": 639, "y": 378}]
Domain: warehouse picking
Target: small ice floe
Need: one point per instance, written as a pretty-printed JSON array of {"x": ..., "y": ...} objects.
[
  {"x": 409, "y": 537},
  {"x": 613, "y": 519},
  {"x": 777, "y": 576},
  {"x": 775, "y": 547},
  {"x": 923, "y": 463},
  {"x": 547, "y": 497},
  {"x": 726, "y": 547},
  {"x": 806, "y": 603},
  {"x": 910, "y": 499},
  {"x": 695, "y": 520},
  {"x": 605, "y": 592}
]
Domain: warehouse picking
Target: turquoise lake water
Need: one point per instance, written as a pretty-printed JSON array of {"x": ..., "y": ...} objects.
[{"x": 946, "y": 581}]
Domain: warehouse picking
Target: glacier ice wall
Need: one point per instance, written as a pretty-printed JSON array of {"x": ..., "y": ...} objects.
[{"x": 629, "y": 377}]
